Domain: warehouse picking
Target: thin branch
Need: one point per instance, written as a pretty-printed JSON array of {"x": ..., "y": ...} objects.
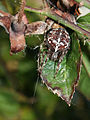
[
  {"x": 86, "y": 3},
  {"x": 21, "y": 12},
  {"x": 59, "y": 19}
]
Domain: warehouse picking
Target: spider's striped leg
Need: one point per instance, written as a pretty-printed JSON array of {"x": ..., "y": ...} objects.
[
  {"x": 44, "y": 63},
  {"x": 60, "y": 60},
  {"x": 57, "y": 69},
  {"x": 41, "y": 60}
]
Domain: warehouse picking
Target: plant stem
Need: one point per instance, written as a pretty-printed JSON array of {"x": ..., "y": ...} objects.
[
  {"x": 86, "y": 3},
  {"x": 51, "y": 14},
  {"x": 21, "y": 12}
]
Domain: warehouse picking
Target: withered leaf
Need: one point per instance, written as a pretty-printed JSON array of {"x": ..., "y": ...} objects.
[
  {"x": 17, "y": 31},
  {"x": 17, "y": 38},
  {"x": 36, "y": 28}
]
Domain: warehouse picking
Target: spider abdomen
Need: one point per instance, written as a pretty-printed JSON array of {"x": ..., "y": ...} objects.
[{"x": 57, "y": 41}]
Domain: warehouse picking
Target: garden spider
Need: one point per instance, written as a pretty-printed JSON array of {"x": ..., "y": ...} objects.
[{"x": 56, "y": 44}]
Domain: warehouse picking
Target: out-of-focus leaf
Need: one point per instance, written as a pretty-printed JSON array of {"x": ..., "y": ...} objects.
[
  {"x": 84, "y": 84},
  {"x": 12, "y": 6},
  {"x": 2, "y": 7},
  {"x": 87, "y": 63},
  {"x": 44, "y": 97},
  {"x": 26, "y": 66},
  {"x": 67, "y": 78},
  {"x": 8, "y": 105},
  {"x": 27, "y": 114},
  {"x": 35, "y": 4}
]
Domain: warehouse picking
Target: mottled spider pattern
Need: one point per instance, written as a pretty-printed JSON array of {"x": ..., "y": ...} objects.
[
  {"x": 57, "y": 42},
  {"x": 56, "y": 45}
]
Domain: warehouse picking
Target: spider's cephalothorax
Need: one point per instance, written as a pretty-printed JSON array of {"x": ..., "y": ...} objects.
[{"x": 57, "y": 42}]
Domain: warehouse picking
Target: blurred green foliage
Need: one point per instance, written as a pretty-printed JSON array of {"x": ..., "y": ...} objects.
[{"x": 19, "y": 80}]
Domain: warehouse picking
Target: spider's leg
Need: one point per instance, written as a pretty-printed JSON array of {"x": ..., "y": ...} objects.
[
  {"x": 57, "y": 69},
  {"x": 41, "y": 61},
  {"x": 44, "y": 63},
  {"x": 60, "y": 60}
]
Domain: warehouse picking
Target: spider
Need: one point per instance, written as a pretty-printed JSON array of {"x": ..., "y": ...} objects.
[{"x": 56, "y": 44}]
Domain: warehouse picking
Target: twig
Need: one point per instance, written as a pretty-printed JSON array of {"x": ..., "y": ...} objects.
[
  {"x": 59, "y": 19},
  {"x": 86, "y": 3},
  {"x": 21, "y": 12}
]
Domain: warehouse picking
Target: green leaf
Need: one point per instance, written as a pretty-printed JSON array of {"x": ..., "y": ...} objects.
[
  {"x": 85, "y": 18},
  {"x": 67, "y": 78},
  {"x": 84, "y": 22},
  {"x": 86, "y": 63},
  {"x": 84, "y": 84}
]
